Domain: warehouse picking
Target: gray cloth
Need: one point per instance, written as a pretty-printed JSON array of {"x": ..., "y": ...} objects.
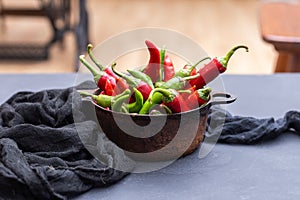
[
  {"x": 42, "y": 156},
  {"x": 250, "y": 130}
]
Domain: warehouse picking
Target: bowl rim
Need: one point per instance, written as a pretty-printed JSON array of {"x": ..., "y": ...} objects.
[{"x": 226, "y": 98}]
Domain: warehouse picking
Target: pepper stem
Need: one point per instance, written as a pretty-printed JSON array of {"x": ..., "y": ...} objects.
[
  {"x": 224, "y": 60},
  {"x": 190, "y": 77},
  {"x": 200, "y": 61},
  {"x": 122, "y": 75},
  {"x": 162, "y": 63},
  {"x": 90, "y": 68},
  {"x": 185, "y": 91},
  {"x": 204, "y": 93},
  {"x": 86, "y": 94},
  {"x": 167, "y": 109},
  {"x": 89, "y": 50}
]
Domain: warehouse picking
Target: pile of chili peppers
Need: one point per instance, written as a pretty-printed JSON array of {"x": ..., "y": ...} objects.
[{"x": 157, "y": 88}]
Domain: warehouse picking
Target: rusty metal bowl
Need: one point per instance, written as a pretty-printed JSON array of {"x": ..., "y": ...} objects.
[{"x": 158, "y": 137}]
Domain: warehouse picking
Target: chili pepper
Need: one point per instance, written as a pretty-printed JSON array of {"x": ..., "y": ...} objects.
[
  {"x": 133, "y": 82},
  {"x": 186, "y": 93},
  {"x": 153, "y": 67},
  {"x": 140, "y": 75},
  {"x": 189, "y": 70},
  {"x": 199, "y": 97},
  {"x": 120, "y": 82},
  {"x": 104, "y": 81},
  {"x": 176, "y": 82},
  {"x": 136, "y": 106},
  {"x": 172, "y": 99},
  {"x": 169, "y": 70},
  {"x": 156, "y": 98},
  {"x": 104, "y": 100},
  {"x": 118, "y": 104},
  {"x": 216, "y": 66}
]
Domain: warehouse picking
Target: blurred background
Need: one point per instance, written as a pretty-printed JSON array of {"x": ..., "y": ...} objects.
[{"x": 216, "y": 25}]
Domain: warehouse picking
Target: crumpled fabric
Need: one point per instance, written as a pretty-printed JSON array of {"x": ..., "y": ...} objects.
[
  {"x": 42, "y": 155},
  {"x": 234, "y": 129}
]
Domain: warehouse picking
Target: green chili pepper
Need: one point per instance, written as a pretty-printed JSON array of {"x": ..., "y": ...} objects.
[
  {"x": 104, "y": 100},
  {"x": 117, "y": 105},
  {"x": 155, "y": 99},
  {"x": 142, "y": 76},
  {"x": 136, "y": 106},
  {"x": 176, "y": 82}
]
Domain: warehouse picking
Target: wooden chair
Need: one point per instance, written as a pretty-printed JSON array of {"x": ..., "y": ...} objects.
[{"x": 280, "y": 26}]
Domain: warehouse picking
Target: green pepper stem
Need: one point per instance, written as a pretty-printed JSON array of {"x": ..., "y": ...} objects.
[
  {"x": 86, "y": 94},
  {"x": 89, "y": 50},
  {"x": 95, "y": 73},
  {"x": 184, "y": 91},
  {"x": 224, "y": 60},
  {"x": 190, "y": 77},
  {"x": 124, "y": 110},
  {"x": 200, "y": 61},
  {"x": 162, "y": 63},
  {"x": 124, "y": 76},
  {"x": 204, "y": 93},
  {"x": 141, "y": 75},
  {"x": 167, "y": 109}
]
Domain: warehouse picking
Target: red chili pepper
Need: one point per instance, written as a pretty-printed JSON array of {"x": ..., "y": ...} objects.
[
  {"x": 153, "y": 67},
  {"x": 104, "y": 81},
  {"x": 189, "y": 70},
  {"x": 216, "y": 66},
  {"x": 169, "y": 70},
  {"x": 121, "y": 84},
  {"x": 172, "y": 99},
  {"x": 186, "y": 93},
  {"x": 133, "y": 82},
  {"x": 199, "y": 97}
]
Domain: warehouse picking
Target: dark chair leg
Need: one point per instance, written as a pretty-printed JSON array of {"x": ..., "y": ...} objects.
[{"x": 81, "y": 32}]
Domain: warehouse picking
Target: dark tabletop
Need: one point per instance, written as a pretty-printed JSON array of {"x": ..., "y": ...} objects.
[{"x": 263, "y": 171}]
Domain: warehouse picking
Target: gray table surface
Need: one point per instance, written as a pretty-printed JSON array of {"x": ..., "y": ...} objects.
[{"x": 268, "y": 170}]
